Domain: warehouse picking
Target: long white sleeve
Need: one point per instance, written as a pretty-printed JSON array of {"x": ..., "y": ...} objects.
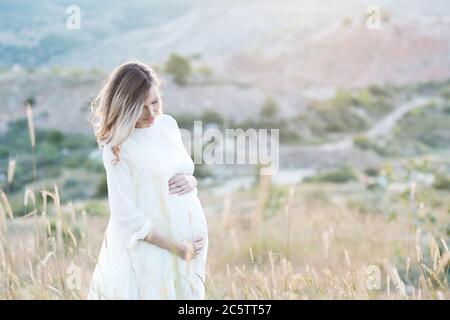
[{"x": 131, "y": 223}]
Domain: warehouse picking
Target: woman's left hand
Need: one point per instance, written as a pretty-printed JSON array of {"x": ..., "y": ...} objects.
[{"x": 182, "y": 183}]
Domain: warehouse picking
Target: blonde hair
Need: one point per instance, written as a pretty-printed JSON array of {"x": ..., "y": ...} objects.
[{"x": 118, "y": 106}]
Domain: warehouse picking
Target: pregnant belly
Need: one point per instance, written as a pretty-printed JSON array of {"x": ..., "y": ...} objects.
[{"x": 187, "y": 215}]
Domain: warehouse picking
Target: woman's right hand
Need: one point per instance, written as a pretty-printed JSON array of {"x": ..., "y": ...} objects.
[{"x": 189, "y": 248}]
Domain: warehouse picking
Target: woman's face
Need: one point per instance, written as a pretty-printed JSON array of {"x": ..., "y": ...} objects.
[{"x": 151, "y": 108}]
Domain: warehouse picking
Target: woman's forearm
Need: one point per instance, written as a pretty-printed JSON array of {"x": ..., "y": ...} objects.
[{"x": 165, "y": 243}]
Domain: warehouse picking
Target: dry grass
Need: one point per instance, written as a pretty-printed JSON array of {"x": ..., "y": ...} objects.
[
  {"x": 312, "y": 248},
  {"x": 321, "y": 251}
]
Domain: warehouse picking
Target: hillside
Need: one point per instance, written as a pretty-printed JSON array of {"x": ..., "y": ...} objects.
[{"x": 276, "y": 45}]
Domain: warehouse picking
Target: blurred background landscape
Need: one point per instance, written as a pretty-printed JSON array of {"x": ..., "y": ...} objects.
[{"x": 364, "y": 119}]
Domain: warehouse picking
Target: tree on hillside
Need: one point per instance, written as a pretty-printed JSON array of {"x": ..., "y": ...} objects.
[
  {"x": 269, "y": 108},
  {"x": 342, "y": 99},
  {"x": 179, "y": 67}
]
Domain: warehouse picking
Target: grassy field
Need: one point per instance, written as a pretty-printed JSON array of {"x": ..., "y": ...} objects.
[
  {"x": 305, "y": 241},
  {"x": 378, "y": 231}
]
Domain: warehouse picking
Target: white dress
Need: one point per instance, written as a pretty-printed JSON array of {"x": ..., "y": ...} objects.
[{"x": 129, "y": 267}]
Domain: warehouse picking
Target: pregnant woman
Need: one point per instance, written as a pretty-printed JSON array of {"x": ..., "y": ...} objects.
[{"x": 156, "y": 242}]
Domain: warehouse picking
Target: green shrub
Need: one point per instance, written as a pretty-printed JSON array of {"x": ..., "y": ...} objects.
[
  {"x": 212, "y": 116},
  {"x": 365, "y": 143},
  {"x": 270, "y": 108},
  {"x": 342, "y": 99},
  {"x": 362, "y": 142},
  {"x": 94, "y": 166},
  {"x": 74, "y": 160},
  {"x": 186, "y": 120},
  {"x": 372, "y": 172},
  {"x": 339, "y": 175},
  {"x": 276, "y": 200},
  {"x": 445, "y": 93},
  {"x": 71, "y": 183},
  {"x": 202, "y": 171},
  {"x": 101, "y": 189},
  {"x": 51, "y": 136},
  {"x": 47, "y": 154},
  {"x": 96, "y": 207},
  {"x": 179, "y": 67},
  {"x": 442, "y": 183}
]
